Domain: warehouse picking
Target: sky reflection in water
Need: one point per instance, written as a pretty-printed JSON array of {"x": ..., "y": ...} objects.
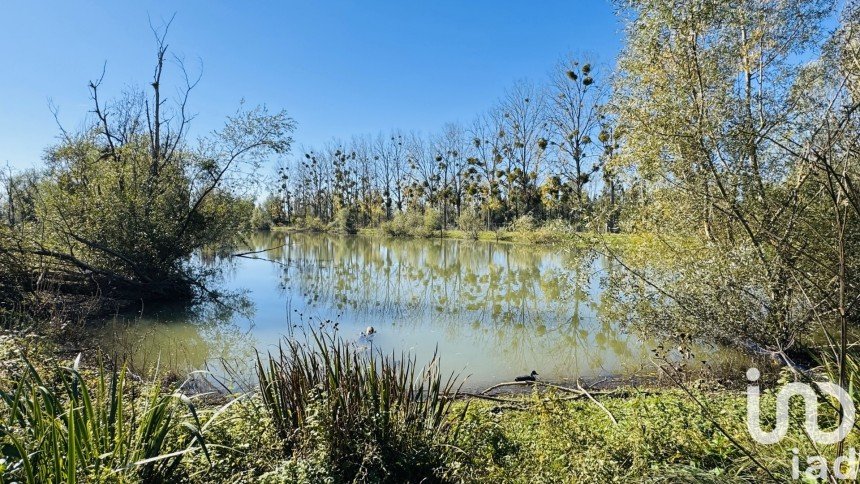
[{"x": 493, "y": 310}]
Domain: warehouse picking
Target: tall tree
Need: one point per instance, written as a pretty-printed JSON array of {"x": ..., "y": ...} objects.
[
  {"x": 524, "y": 132},
  {"x": 707, "y": 95},
  {"x": 129, "y": 198},
  {"x": 577, "y": 99}
]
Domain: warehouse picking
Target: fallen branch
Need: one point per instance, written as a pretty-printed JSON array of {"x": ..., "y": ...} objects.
[
  {"x": 530, "y": 383},
  {"x": 602, "y": 407},
  {"x": 252, "y": 252},
  {"x": 491, "y": 398}
]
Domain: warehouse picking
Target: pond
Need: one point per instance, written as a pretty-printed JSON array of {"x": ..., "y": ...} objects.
[{"x": 491, "y": 310}]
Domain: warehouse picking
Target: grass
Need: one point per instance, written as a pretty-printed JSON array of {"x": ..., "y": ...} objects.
[
  {"x": 74, "y": 429},
  {"x": 327, "y": 411},
  {"x": 660, "y": 436}
]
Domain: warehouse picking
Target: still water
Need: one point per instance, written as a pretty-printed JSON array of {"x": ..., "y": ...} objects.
[{"x": 492, "y": 311}]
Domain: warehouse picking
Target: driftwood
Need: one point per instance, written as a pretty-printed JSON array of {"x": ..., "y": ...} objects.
[
  {"x": 491, "y": 398},
  {"x": 600, "y": 405},
  {"x": 530, "y": 383},
  {"x": 577, "y": 393}
]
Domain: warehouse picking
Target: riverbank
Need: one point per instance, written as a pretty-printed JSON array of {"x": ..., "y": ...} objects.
[
  {"x": 538, "y": 236},
  {"x": 642, "y": 436},
  {"x": 544, "y": 433}
]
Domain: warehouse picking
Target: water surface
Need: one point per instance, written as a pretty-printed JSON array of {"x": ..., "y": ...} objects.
[{"x": 492, "y": 311}]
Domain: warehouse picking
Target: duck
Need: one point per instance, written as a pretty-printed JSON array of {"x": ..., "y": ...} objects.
[{"x": 530, "y": 377}]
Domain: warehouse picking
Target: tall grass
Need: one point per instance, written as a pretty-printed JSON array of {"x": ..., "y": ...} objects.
[
  {"x": 360, "y": 414},
  {"x": 68, "y": 430}
]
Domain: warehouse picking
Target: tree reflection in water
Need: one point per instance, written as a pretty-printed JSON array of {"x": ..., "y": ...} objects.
[{"x": 493, "y": 309}]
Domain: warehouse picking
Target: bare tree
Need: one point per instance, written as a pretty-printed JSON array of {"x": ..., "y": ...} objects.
[
  {"x": 577, "y": 102},
  {"x": 524, "y": 132}
]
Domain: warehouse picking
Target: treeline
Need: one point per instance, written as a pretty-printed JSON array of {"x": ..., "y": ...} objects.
[
  {"x": 728, "y": 131},
  {"x": 543, "y": 151}
]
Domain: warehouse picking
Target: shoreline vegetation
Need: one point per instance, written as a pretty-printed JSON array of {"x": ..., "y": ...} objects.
[
  {"x": 544, "y": 236},
  {"x": 381, "y": 419},
  {"x": 553, "y": 233},
  {"x": 715, "y": 163}
]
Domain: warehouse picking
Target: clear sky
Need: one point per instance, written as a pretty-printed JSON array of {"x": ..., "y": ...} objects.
[{"x": 340, "y": 68}]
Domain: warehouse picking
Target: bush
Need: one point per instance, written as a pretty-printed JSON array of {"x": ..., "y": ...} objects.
[
  {"x": 125, "y": 202},
  {"x": 355, "y": 414},
  {"x": 311, "y": 224},
  {"x": 13, "y": 279},
  {"x": 551, "y": 232},
  {"x": 658, "y": 438},
  {"x": 345, "y": 221},
  {"x": 404, "y": 224},
  {"x": 260, "y": 219},
  {"x": 523, "y": 223},
  {"x": 470, "y": 222},
  {"x": 432, "y": 221}
]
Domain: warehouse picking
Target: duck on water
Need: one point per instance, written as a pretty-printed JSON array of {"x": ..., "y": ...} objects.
[{"x": 530, "y": 377}]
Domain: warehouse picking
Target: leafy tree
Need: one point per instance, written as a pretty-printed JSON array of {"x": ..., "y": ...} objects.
[
  {"x": 726, "y": 142},
  {"x": 126, "y": 201},
  {"x": 470, "y": 222}
]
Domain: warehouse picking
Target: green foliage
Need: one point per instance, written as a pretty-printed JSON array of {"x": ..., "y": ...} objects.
[
  {"x": 13, "y": 281},
  {"x": 273, "y": 207},
  {"x": 242, "y": 445},
  {"x": 554, "y": 231},
  {"x": 662, "y": 437},
  {"x": 73, "y": 429},
  {"x": 357, "y": 415},
  {"x": 756, "y": 236},
  {"x": 129, "y": 224},
  {"x": 523, "y": 223},
  {"x": 260, "y": 219},
  {"x": 345, "y": 221},
  {"x": 403, "y": 224},
  {"x": 125, "y": 202},
  {"x": 432, "y": 220},
  {"x": 470, "y": 222},
  {"x": 310, "y": 224}
]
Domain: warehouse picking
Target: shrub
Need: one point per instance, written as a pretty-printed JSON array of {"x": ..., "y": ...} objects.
[
  {"x": 356, "y": 414},
  {"x": 13, "y": 279},
  {"x": 126, "y": 200},
  {"x": 551, "y": 232},
  {"x": 523, "y": 223},
  {"x": 656, "y": 438},
  {"x": 403, "y": 224},
  {"x": 470, "y": 222},
  {"x": 432, "y": 220},
  {"x": 311, "y": 224},
  {"x": 345, "y": 221},
  {"x": 260, "y": 219}
]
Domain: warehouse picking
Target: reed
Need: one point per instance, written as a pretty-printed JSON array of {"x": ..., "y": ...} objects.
[
  {"x": 70, "y": 429},
  {"x": 366, "y": 415}
]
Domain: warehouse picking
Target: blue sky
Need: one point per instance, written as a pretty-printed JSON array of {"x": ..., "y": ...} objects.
[{"x": 339, "y": 68}]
